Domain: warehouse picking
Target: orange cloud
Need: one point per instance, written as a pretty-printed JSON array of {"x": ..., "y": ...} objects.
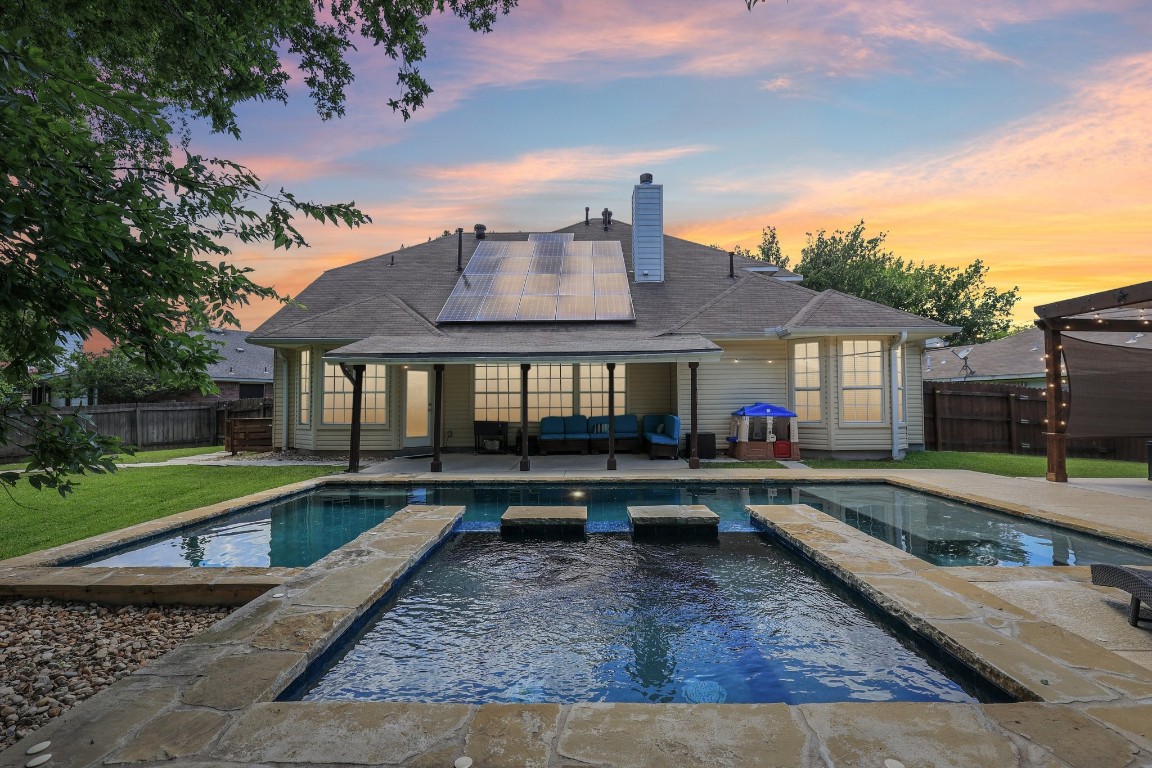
[{"x": 1057, "y": 204}]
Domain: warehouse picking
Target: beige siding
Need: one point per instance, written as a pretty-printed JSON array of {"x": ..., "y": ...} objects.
[
  {"x": 749, "y": 372},
  {"x": 914, "y": 384},
  {"x": 459, "y": 406},
  {"x": 650, "y": 388}
]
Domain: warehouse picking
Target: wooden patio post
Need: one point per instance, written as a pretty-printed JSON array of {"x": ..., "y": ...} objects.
[
  {"x": 693, "y": 457},
  {"x": 357, "y": 398},
  {"x": 1054, "y": 434},
  {"x": 525, "y": 464},
  {"x": 437, "y": 417},
  {"x": 611, "y": 415}
]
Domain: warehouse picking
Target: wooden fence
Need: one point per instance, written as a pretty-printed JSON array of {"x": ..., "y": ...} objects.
[
  {"x": 981, "y": 416},
  {"x": 149, "y": 426}
]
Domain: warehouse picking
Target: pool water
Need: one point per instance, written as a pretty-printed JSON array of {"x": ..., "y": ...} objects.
[
  {"x": 293, "y": 533},
  {"x": 301, "y": 530},
  {"x": 607, "y": 619}
]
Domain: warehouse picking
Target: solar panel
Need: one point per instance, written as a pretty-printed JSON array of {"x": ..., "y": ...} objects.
[{"x": 549, "y": 277}]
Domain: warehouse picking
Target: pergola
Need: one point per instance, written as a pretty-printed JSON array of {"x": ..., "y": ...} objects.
[
  {"x": 525, "y": 349},
  {"x": 1082, "y": 314}
]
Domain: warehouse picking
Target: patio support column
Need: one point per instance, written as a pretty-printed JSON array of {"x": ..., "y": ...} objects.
[
  {"x": 437, "y": 417},
  {"x": 357, "y": 398},
  {"x": 525, "y": 464},
  {"x": 1054, "y": 434},
  {"x": 611, "y": 415},
  {"x": 693, "y": 456}
]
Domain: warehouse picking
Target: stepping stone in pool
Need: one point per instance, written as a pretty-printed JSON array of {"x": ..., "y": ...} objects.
[
  {"x": 693, "y": 520},
  {"x": 544, "y": 521}
]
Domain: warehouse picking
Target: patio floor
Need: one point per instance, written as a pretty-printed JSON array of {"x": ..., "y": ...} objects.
[{"x": 1047, "y": 632}]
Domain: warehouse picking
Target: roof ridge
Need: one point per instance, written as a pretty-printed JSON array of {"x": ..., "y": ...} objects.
[
  {"x": 716, "y": 299},
  {"x": 322, "y": 314},
  {"x": 808, "y": 309},
  {"x": 431, "y": 326}
]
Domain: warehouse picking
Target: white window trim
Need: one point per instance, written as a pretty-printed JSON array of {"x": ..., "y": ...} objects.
[
  {"x": 341, "y": 424},
  {"x": 842, "y": 387},
  {"x": 575, "y": 393},
  {"x": 301, "y": 396},
  {"x": 821, "y": 387}
]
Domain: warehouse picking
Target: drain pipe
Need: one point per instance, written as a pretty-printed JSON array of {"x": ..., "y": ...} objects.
[
  {"x": 893, "y": 370},
  {"x": 287, "y": 399}
]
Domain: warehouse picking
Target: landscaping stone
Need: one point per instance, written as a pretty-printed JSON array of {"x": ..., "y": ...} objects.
[{"x": 61, "y": 653}]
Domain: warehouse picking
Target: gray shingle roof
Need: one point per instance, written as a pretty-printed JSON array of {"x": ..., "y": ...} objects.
[
  {"x": 401, "y": 294},
  {"x": 239, "y": 361},
  {"x": 1020, "y": 355}
]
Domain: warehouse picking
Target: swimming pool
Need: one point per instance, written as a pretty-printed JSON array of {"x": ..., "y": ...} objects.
[
  {"x": 300, "y": 530},
  {"x": 736, "y": 619},
  {"x": 294, "y": 532}
]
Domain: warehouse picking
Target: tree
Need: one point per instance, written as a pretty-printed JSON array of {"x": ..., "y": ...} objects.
[
  {"x": 108, "y": 222},
  {"x": 116, "y": 378},
  {"x": 768, "y": 250},
  {"x": 854, "y": 263}
]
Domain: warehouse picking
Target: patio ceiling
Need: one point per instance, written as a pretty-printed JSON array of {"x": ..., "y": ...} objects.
[{"x": 526, "y": 347}]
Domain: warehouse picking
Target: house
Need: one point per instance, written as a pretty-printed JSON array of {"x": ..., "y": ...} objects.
[
  {"x": 243, "y": 371},
  {"x": 597, "y": 314},
  {"x": 1015, "y": 359}
]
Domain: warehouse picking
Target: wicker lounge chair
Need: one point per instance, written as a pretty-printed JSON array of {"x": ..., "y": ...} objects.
[{"x": 1134, "y": 581}]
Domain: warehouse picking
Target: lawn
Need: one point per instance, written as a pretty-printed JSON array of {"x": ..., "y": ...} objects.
[
  {"x": 33, "y": 520},
  {"x": 1008, "y": 464},
  {"x": 141, "y": 456}
]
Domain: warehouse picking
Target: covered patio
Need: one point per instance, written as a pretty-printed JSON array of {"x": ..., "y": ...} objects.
[{"x": 525, "y": 350}]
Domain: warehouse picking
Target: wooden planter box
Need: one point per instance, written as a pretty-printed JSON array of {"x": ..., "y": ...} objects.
[{"x": 248, "y": 435}]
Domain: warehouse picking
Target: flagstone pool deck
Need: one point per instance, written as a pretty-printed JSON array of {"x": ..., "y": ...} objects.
[{"x": 1062, "y": 647}]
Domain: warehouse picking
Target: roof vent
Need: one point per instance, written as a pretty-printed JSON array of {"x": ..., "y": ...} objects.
[
  {"x": 586, "y": 220},
  {"x": 606, "y": 217},
  {"x": 480, "y": 229}
]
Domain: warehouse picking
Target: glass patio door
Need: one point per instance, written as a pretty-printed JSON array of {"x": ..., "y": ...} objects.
[{"x": 417, "y": 408}]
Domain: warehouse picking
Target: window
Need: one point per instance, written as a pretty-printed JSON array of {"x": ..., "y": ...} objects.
[
  {"x": 862, "y": 380},
  {"x": 251, "y": 391},
  {"x": 553, "y": 390},
  {"x": 594, "y": 389},
  {"x": 901, "y": 394},
  {"x": 337, "y": 404},
  {"x": 806, "y": 380},
  {"x": 305, "y": 385}
]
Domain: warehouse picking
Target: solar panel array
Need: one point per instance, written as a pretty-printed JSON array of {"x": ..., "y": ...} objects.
[{"x": 548, "y": 278}]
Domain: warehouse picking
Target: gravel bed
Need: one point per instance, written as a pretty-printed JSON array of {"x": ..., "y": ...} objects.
[{"x": 54, "y": 654}]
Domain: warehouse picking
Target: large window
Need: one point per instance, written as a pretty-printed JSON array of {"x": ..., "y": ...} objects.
[
  {"x": 337, "y": 406},
  {"x": 594, "y": 389},
  {"x": 305, "y": 386},
  {"x": 806, "y": 380},
  {"x": 861, "y": 380},
  {"x": 553, "y": 390}
]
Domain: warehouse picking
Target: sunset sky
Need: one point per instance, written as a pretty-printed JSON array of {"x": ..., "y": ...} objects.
[{"x": 1019, "y": 133}]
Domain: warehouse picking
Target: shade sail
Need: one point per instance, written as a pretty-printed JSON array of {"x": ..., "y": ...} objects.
[{"x": 1111, "y": 388}]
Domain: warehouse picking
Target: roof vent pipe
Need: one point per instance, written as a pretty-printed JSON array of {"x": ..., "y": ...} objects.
[
  {"x": 606, "y": 216},
  {"x": 586, "y": 221},
  {"x": 731, "y": 264},
  {"x": 480, "y": 229},
  {"x": 459, "y": 249}
]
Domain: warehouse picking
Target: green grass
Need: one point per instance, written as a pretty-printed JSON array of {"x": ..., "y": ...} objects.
[
  {"x": 33, "y": 520},
  {"x": 992, "y": 463},
  {"x": 142, "y": 456},
  {"x": 172, "y": 453}
]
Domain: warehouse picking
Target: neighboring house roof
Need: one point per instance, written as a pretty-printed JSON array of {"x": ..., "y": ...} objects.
[
  {"x": 398, "y": 296},
  {"x": 240, "y": 361},
  {"x": 1019, "y": 356}
]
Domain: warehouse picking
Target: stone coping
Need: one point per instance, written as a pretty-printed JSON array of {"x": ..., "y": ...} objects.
[
  {"x": 662, "y": 515},
  {"x": 519, "y": 516},
  {"x": 136, "y": 585},
  {"x": 212, "y": 700},
  {"x": 1030, "y": 658}
]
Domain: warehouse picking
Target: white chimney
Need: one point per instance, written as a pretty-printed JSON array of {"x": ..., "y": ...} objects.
[{"x": 648, "y": 231}]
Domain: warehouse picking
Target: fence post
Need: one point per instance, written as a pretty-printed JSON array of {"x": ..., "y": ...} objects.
[
  {"x": 936, "y": 420},
  {"x": 1012, "y": 418},
  {"x": 139, "y": 425}
]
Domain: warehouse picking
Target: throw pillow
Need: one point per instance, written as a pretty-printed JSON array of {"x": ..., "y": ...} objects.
[{"x": 660, "y": 428}]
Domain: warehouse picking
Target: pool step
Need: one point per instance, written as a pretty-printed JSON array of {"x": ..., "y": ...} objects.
[
  {"x": 673, "y": 519},
  {"x": 551, "y": 521}
]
